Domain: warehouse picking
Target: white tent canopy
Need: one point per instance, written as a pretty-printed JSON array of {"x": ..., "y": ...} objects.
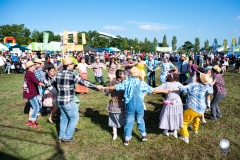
[
  {"x": 3, "y": 48},
  {"x": 220, "y": 49},
  {"x": 164, "y": 49}
]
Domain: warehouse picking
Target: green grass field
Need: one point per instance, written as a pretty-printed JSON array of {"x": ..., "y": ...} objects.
[{"x": 94, "y": 141}]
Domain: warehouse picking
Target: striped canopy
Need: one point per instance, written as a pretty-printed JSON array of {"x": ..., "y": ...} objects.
[
  {"x": 35, "y": 46},
  {"x": 3, "y": 48},
  {"x": 52, "y": 47}
]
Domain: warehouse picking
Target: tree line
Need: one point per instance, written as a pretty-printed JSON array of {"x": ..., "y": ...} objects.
[{"x": 24, "y": 36}]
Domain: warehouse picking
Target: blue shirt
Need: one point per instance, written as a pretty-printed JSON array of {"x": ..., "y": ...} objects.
[
  {"x": 182, "y": 66},
  {"x": 196, "y": 94},
  {"x": 128, "y": 87},
  {"x": 152, "y": 64}
]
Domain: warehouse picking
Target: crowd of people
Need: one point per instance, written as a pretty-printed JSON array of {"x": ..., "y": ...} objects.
[{"x": 52, "y": 81}]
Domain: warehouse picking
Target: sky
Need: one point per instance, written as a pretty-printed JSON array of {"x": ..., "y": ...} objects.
[{"x": 185, "y": 19}]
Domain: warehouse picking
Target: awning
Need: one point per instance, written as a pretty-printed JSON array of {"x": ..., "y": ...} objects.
[
  {"x": 35, "y": 46},
  {"x": 3, "y": 47},
  {"x": 164, "y": 49},
  {"x": 115, "y": 49},
  {"x": 52, "y": 47}
]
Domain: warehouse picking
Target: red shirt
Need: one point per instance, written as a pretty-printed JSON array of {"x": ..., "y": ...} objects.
[{"x": 30, "y": 85}]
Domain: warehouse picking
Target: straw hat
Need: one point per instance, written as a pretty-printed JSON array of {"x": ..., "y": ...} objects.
[
  {"x": 217, "y": 68},
  {"x": 184, "y": 55},
  {"x": 205, "y": 78},
  {"x": 97, "y": 57},
  {"x": 150, "y": 55},
  {"x": 129, "y": 57},
  {"x": 67, "y": 61},
  {"x": 134, "y": 71},
  {"x": 37, "y": 60},
  {"x": 29, "y": 64}
]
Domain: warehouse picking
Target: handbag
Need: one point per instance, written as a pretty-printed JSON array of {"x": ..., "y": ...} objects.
[{"x": 48, "y": 98}]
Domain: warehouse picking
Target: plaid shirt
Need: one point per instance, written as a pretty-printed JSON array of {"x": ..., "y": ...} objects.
[
  {"x": 196, "y": 94},
  {"x": 65, "y": 81},
  {"x": 30, "y": 85},
  {"x": 128, "y": 87},
  {"x": 219, "y": 86},
  {"x": 38, "y": 75},
  {"x": 97, "y": 71}
]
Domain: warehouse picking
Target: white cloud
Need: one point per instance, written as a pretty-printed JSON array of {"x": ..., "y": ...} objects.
[
  {"x": 235, "y": 31},
  {"x": 238, "y": 17},
  {"x": 107, "y": 27},
  {"x": 149, "y": 27},
  {"x": 153, "y": 26},
  {"x": 135, "y": 35},
  {"x": 200, "y": 30}
]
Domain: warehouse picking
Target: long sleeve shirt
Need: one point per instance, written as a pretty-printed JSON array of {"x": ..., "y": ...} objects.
[
  {"x": 30, "y": 85},
  {"x": 65, "y": 81}
]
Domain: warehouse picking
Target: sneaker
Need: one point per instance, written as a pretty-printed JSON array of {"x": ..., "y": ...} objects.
[
  {"x": 208, "y": 109},
  {"x": 68, "y": 140},
  {"x": 186, "y": 139},
  {"x": 114, "y": 136},
  {"x": 77, "y": 130},
  {"x": 144, "y": 138},
  {"x": 196, "y": 132},
  {"x": 165, "y": 133},
  {"x": 34, "y": 124},
  {"x": 28, "y": 122},
  {"x": 126, "y": 143},
  {"x": 174, "y": 134}
]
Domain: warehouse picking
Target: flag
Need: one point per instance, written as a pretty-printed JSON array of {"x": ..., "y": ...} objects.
[
  {"x": 65, "y": 37},
  {"x": 83, "y": 38},
  {"x": 45, "y": 37},
  {"x": 75, "y": 38},
  {"x": 225, "y": 45}
]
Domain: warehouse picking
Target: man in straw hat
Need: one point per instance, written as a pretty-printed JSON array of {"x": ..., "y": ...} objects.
[
  {"x": 31, "y": 92},
  {"x": 65, "y": 81},
  {"x": 196, "y": 103},
  {"x": 134, "y": 92},
  {"x": 152, "y": 63},
  {"x": 182, "y": 68},
  {"x": 97, "y": 69}
]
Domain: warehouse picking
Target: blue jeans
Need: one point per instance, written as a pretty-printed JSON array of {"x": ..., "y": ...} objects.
[
  {"x": 134, "y": 113},
  {"x": 8, "y": 68},
  {"x": 151, "y": 76},
  {"x": 97, "y": 79},
  {"x": 34, "y": 107},
  {"x": 68, "y": 119},
  {"x": 182, "y": 78},
  {"x": 215, "y": 110}
]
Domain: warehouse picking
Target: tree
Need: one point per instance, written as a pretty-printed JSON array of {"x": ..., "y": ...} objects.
[
  {"x": 20, "y": 32},
  {"x": 188, "y": 46},
  {"x": 165, "y": 41},
  {"x": 197, "y": 45},
  {"x": 206, "y": 45},
  {"x": 174, "y": 42},
  {"x": 155, "y": 44}
]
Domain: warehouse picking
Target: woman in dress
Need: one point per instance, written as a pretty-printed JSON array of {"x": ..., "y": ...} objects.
[
  {"x": 171, "y": 116},
  {"x": 166, "y": 67},
  {"x": 82, "y": 71},
  {"x": 140, "y": 65},
  {"x": 112, "y": 65},
  {"x": 116, "y": 105}
]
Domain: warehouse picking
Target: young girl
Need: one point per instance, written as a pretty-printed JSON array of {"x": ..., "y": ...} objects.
[
  {"x": 140, "y": 65},
  {"x": 196, "y": 103},
  {"x": 116, "y": 105},
  {"x": 49, "y": 97},
  {"x": 112, "y": 65},
  {"x": 30, "y": 92},
  {"x": 171, "y": 117}
]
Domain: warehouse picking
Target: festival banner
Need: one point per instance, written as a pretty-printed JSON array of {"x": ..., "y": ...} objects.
[
  {"x": 225, "y": 45},
  {"x": 83, "y": 38},
  {"x": 75, "y": 38},
  {"x": 70, "y": 47},
  {"x": 78, "y": 48},
  {"x": 65, "y": 37},
  {"x": 234, "y": 41},
  {"x": 45, "y": 37}
]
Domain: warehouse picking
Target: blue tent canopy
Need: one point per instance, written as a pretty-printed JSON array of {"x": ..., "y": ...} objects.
[
  {"x": 99, "y": 49},
  {"x": 109, "y": 50}
]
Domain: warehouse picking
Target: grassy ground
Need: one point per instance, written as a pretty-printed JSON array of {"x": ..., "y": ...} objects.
[{"x": 94, "y": 141}]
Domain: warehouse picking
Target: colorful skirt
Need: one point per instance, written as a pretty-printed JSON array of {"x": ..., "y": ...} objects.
[{"x": 81, "y": 88}]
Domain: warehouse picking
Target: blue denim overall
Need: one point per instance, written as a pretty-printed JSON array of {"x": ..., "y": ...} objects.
[{"x": 134, "y": 112}]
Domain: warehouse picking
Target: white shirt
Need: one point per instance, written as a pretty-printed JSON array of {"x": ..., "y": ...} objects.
[{"x": 2, "y": 60}]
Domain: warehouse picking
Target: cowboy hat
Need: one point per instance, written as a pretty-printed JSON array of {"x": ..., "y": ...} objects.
[
  {"x": 37, "y": 60},
  {"x": 129, "y": 57},
  {"x": 184, "y": 55},
  {"x": 29, "y": 64},
  {"x": 205, "y": 78},
  {"x": 134, "y": 71},
  {"x": 217, "y": 68},
  {"x": 67, "y": 61},
  {"x": 97, "y": 57}
]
